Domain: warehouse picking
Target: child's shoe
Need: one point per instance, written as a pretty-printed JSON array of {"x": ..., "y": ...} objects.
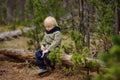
[{"x": 42, "y": 71}]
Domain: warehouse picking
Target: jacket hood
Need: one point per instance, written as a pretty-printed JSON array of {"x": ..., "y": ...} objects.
[{"x": 56, "y": 28}]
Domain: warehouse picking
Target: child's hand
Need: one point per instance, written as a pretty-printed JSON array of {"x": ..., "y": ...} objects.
[
  {"x": 43, "y": 53},
  {"x": 42, "y": 48}
]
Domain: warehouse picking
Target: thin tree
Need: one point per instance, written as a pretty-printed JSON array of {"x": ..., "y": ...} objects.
[{"x": 117, "y": 17}]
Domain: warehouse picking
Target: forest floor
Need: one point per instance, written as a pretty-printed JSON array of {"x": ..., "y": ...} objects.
[{"x": 13, "y": 70}]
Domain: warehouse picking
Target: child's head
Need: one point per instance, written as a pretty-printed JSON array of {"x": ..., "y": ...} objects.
[{"x": 50, "y": 22}]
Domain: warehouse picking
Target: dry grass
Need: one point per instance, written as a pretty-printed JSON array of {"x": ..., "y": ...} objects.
[
  {"x": 21, "y": 42},
  {"x": 18, "y": 43},
  {"x": 66, "y": 40}
]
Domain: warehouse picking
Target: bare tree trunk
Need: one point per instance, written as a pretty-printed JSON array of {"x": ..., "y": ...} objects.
[
  {"x": 37, "y": 38},
  {"x": 81, "y": 19},
  {"x": 3, "y": 4},
  {"x": 87, "y": 26},
  {"x": 10, "y": 9},
  {"x": 72, "y": 16},
  {"x": 21, "y": 9},
  {"x": 117, "y": 17},
  {"x": 73, "y": 25}
]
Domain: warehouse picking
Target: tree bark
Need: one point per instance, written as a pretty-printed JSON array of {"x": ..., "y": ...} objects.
[
  {"x": 117, "y": 17},
  {"x": 19, "y": 55},
  {"x": 21, "y": 9},
  {"x": 81, "y": 20},
  {"x": 10, "y": 9}
]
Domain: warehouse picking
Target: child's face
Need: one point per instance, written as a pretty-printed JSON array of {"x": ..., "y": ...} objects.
[{"x": 48, "y": 28}]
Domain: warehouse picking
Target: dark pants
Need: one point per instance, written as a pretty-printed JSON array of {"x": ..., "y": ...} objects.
[{"x": 43, "y": 62}]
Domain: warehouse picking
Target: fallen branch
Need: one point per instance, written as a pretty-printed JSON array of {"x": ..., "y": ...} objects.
[
  {"x": 12, "y": 34},
  {"x": 19, "y": 55}
]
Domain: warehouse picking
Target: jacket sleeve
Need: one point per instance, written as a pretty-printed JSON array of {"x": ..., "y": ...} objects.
[
  {"x": 43, "y": 41},
  {"x": 56, "y": 42}
]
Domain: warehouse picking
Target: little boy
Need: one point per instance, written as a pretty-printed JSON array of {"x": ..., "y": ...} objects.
[{"x": 51, "y": 40}]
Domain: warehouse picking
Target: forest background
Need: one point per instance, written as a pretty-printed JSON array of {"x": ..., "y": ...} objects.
[{"x": 89, "y": 28}]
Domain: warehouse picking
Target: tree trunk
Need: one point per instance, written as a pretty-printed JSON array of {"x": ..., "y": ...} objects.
[
  {"x": 10, "y": 9},
  {"x": 117, "y": 17},
  {"x": 21, "y": 9},
  {"x": 81, "y": 19},
  {"x": 87, "y": 25},
  {"x": 19, "y": 55}
]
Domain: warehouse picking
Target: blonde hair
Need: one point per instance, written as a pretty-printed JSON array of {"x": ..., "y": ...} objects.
[{"x": 50, "y": 22}]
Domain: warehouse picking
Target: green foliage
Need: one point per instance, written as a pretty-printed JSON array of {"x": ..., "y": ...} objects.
[
  {"x": 54, "y": 56},
  {"x": 67, "y": 48},
  {"x": 68, "y": 71},
  {"x": 79, "y": 45},
  {"x": 79, "y": 56},
  {"x": 41, "y": 9},
  {"x": 103, "y": 57},
  {"x": 86, "y": 51},
  {"x": 75, "y": 36},
  {"x": 105, "y": 21},
  {"x": 112, "y": 60},
  {"x": 29, "y": 5},
  {"x": 115, "y": 52},
  {"x": 32, "y": 45},
  {"x": 30, "y": 34},
  {"x": 116, "y": 40},
  {"x": 78, "y": 59},
  {"x": 93, "y": 2},
  {"x": 81, "y": 60},
  {"x": 93, "y": 64}
]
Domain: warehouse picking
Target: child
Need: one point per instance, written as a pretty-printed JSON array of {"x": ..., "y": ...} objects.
[{"x": 51, "y": 40}]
